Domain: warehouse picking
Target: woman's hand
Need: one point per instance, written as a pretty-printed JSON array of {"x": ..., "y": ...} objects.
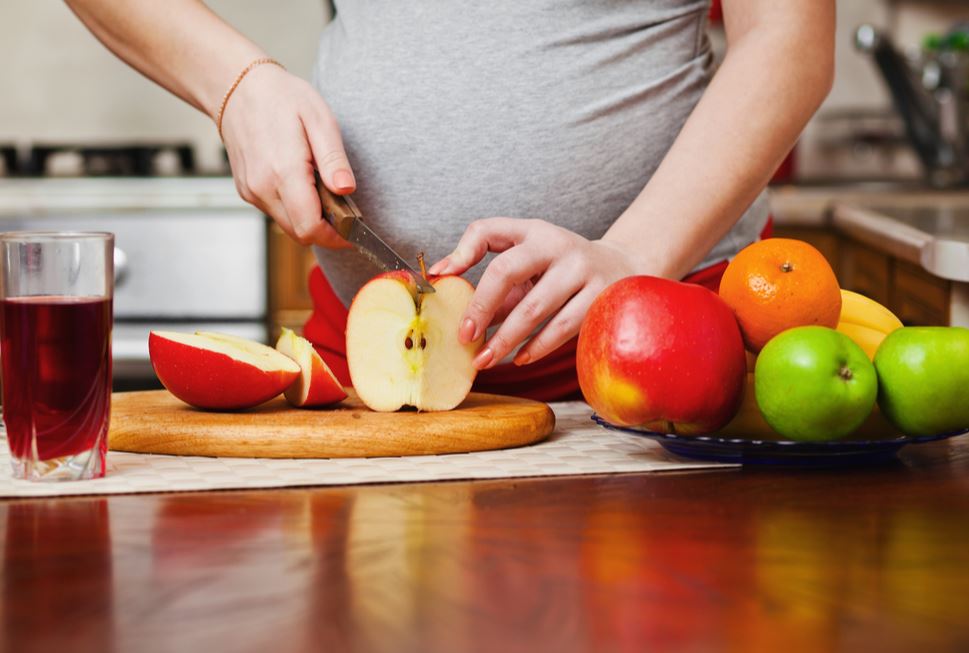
[
  {"x": 542, "y": 271},
  {"x": 277, "y": 129}
]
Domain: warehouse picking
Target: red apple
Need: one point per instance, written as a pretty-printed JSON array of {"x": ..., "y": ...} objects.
[
  {"x": 316, "y": 385},
  {"x": 661, "y": 354},
  {"x": 402, "y": 346},
  {"x": 219, "y": 371}
]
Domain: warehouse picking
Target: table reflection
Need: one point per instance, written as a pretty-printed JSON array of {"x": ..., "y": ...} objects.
[
  {"x": 54, "y": 594},
  {"x": 727, "y": 561}
]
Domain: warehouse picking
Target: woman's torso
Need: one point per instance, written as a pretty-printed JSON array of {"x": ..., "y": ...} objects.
[{"x": 553, "y": 109}]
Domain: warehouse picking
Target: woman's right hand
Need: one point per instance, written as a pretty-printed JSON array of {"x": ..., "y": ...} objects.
[{"x": 277, "y": 130}]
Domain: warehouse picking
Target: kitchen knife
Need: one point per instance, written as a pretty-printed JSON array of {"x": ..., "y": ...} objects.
[{"x": 344, "y": 216}]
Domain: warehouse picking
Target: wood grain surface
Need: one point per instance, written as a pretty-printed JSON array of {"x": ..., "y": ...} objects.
[
  {"x": 156, "y": 422},
  {"x": 855, "y": 560}
]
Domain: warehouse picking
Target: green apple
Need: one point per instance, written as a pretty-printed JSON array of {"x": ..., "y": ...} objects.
[
  {"x": 923, "y": 377},
  {"x": 813, "y": 383}
]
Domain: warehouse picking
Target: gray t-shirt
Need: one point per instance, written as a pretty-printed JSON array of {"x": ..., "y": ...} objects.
[{"x": 554, "y": 109}]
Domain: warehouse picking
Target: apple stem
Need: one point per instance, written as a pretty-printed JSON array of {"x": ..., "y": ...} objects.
[
  {"x": 845, "y": 373},
  {"x": 420, "y": 262}
]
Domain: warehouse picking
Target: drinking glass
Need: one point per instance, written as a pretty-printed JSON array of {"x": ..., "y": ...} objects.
[{"x": 56, "y": 291}]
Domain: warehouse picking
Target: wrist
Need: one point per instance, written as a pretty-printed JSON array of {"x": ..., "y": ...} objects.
[
  {"x": 637, "y": 259},
  {"x": 209, "y": 86},
  {"x": 237, "y": 90}
]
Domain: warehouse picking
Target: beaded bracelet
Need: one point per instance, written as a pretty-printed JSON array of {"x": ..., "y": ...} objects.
[{"x": 235, "y": 84}]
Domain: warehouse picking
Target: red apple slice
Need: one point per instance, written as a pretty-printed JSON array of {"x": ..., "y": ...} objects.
[
  {"x": 402, "y": 347},
  {"x": 218, "y": 371},
  {"x": 316, "y": 385}
]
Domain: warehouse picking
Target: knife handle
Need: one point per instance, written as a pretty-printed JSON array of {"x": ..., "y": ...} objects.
[{"x": 339, "y": 210}]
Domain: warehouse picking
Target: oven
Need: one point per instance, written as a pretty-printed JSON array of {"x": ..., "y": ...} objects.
[{"x": 189, "y": 253}]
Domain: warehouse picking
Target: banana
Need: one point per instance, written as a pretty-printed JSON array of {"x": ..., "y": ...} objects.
[
  {"x": 748, "y": 423},
  {"x": 863, "y": 311},
  {"x": 865, "y": 321},
  {"x": 866, "y": 338}
]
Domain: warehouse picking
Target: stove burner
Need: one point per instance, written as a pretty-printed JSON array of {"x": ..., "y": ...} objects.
[
  {"x": 8, "y": 155},
  {"x": 121, "y": 160}
]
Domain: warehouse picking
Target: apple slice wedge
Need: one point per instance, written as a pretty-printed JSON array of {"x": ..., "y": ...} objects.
[
  {"x": 402, "y": 347},
  {"x": 316, "y": 385},
  {"x": 219, "y": 371}
]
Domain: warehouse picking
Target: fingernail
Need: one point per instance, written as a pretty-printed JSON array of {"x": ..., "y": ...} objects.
[
  {"x": 467, "y": 332},
  {"x": 522, "y": 358},
  {"x": 483, "y": 358},
  {"x": 343, "y": 180},
  {"x": 440, "y": 267}
]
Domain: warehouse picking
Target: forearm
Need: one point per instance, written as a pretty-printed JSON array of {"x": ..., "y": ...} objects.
[
  {"x": 773, "y": 78},
  {"x": 180, "y": 44}
]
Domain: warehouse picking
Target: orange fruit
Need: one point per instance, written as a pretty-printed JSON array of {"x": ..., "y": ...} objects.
[{"x": 777, "y": 284}]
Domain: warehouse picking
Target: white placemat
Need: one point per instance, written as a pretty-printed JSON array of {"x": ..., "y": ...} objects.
[{"x": 578, "y": 446}]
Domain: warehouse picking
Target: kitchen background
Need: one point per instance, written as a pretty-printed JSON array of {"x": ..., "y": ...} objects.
[
  {"x": 70, "y": 88},
  {"x": 855, "y": 188}
]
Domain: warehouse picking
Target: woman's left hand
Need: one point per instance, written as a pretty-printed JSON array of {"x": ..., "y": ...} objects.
[{"x": 542, "y": 271}]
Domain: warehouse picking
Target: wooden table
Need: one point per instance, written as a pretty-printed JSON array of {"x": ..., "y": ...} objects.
[{"x": 853, "y": 560}]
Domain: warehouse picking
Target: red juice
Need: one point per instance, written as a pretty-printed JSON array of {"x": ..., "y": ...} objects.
[{"x": 56, "y": 355}]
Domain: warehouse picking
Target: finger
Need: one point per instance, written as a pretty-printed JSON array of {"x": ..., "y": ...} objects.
[
  {"x": 481, "y": 237},
  {"x": 326, "y": 144},
  {"x": 514, "y": 296},
  {"x": 302, "y": 205},
  {"x": 548, "y": 295},
  {"x": 439, "y": 267},
  {"x": 564, "y": 326},
  {"x": 273, "y": 207},
  {"x": 506, "y": 271}
]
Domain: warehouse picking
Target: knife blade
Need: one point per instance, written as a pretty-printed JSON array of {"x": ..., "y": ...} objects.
[{"x": 341, "y": 212}]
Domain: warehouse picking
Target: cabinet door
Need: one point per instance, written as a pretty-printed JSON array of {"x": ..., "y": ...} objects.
[
  {"x": 919, "y": 298},
  {"x": 866, "y": 271},
  {"x": 825, "y": 240},
  {"x": 289, "y": 268}
]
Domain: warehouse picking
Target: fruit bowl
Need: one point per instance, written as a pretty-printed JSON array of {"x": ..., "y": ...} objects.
[{"x": 779, "y": 452}]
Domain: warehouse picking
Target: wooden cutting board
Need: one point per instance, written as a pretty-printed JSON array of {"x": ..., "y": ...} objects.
[{"x": 157, "y": 422}]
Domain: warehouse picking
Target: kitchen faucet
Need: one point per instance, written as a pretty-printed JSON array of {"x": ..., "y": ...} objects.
[{"x": 932, "y": 97}]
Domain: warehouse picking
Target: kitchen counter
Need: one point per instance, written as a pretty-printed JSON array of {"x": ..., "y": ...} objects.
[
  {"x": 926, "y": 227},
  {"x": 935, "y": 237},
  {"x": 856, "y": 559},
  {"x": 30, "y": 196},
  {"x": 811, "y": 206}
]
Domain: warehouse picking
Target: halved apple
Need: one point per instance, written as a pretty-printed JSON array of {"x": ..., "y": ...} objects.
[
  {"x": 402, "y": 346},
  {"x": 316, "y": 385},
  {"x": 219, "y": 371}
]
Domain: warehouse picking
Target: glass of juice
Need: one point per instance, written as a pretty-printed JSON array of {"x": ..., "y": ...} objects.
[{"x": 55, "y": 349}]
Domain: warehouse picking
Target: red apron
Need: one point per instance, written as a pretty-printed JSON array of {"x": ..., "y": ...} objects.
[{"x": 552, "y": 378}]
